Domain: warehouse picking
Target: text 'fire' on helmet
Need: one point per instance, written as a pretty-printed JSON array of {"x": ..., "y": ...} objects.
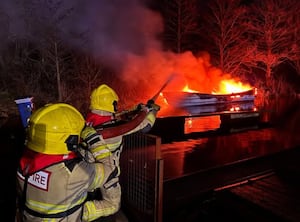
[
  {"x": 104, "y": 98},
  {"x": 54, "y": 129}
]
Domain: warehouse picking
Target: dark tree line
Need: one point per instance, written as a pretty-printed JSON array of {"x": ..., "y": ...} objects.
[
  {"x": 249, "y": 39},
  {"x": 252, "y": 41}
]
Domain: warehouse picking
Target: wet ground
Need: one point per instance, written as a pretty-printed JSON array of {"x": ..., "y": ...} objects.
[
  {"x": 273, "y": 196},
  {"x": 198, "y": 162},
  {"x": 192, "y": 143}
]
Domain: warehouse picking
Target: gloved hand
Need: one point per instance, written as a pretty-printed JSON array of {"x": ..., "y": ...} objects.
[
  {"x": 90, "y": 137},
  {"x": 139, "y": 106},
  {"x": 130, "y": 114},
  {"x": 150, "y": 102},
  {"x": 152, "y": 110},
  {"x": 152, "y": 105}
]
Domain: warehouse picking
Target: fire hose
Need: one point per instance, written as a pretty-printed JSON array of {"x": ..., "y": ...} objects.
[{"x": 138, "y": 114}]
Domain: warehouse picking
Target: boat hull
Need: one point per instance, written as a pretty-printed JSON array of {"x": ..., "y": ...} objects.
[{"x": 183, "y": 99}]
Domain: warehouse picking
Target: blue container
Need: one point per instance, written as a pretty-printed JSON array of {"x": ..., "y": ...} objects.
[{"x": 25, "y": 106}]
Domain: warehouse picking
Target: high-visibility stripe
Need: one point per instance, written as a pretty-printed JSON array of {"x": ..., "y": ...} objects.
[
  {"x": 100, "y": 152},
  {"x": 91, "y": 213},
  {"x": 151, "y": 118},
  {"x": 98, "y": 178},
  {"x": 113, "y": 146},
  {"x": 46, "y": 208}
]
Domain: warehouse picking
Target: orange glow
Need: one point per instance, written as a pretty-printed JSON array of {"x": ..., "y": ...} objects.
[
  {"x": 231, "y": 86},
  {"x": 187, "y": 89},
  {"x": 164, "y": 99},
  {"x": 201, "y": 124},
  {"x": 236, "y": 108},
  {"x": 163, "y": 103},
  {"x": 225, "y": 87}
]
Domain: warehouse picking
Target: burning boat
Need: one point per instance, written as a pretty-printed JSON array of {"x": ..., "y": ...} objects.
[{"x": 186, "y": 99}]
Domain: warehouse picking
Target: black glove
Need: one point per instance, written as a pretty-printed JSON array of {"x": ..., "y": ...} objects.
[
  {"x": 152, "y": 105},
  {"x": 139, "y": 107},
  {"x": 150, "y": 102}
]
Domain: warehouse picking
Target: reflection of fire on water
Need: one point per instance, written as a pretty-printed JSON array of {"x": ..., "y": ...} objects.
[{"x": 201, "y": 124}]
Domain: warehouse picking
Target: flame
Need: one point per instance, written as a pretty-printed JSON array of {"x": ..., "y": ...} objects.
[
  {"x": 187, "y": 89},
  {"x": 232, "y": 86},
  {"x": 235, "y": 108},
  {"x": 225, "y": 87}
]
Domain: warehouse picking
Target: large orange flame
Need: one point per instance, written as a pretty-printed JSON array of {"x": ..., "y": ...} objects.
[
  {"x": 232, "y": 86},
  {"x": 226, "y": 87},
  {"x": 187, "y": 89}
]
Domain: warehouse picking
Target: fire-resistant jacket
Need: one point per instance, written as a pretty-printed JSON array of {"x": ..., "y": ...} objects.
[
  {"x": 103, "y": 122},
  {"x": 58, "y": 191},
  {"x": 114, "y": 142}
]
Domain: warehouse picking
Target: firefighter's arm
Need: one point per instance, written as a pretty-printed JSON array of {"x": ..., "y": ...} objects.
[
  {"x": 104, "y": 164},
  {"x": 144, "y": 118},
  {"x": 151, "y": 109},
  {"x": 95, "y": 143}
]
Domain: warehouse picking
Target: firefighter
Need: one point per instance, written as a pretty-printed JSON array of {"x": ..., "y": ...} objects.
[
  {"x": 53, "y": 180},
  {"x": 104, "y": 106},
  {"x": 112, "y": 126}
]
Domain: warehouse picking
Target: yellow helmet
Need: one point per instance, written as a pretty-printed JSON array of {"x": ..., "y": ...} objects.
[
  {"x": 104, "y": 98},
  {"x": 54, "y": 129}
]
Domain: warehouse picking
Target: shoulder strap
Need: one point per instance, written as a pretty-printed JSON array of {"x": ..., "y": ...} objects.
[{"x": 70, "y": 164}]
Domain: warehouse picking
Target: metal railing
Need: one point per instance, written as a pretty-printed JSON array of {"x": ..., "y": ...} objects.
[{"x": 142, "y": 178}]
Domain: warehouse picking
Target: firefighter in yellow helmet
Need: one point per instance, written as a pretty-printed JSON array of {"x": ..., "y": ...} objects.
[
  {"x": 112, "y": 126},
  {"x": 53, "y": 179},
  {"x": 103, "y": 106}
]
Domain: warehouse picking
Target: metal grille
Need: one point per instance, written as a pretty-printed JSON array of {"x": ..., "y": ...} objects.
[{"x": 141, "y": 177}]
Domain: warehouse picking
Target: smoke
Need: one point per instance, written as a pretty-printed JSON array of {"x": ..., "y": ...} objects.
[
  {"x": 115, "y": 29},
  {"x": 156, "y": 66},
  {"x": 121, "y": 33},
  {"x": 104, "y": 28},
  {"x": 124, "y": 33}
]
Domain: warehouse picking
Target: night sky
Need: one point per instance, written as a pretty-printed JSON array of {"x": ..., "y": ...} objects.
[{"x": 121, "y": 33}]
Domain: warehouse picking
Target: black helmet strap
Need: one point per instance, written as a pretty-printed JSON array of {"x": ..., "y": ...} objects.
[
  {"x": 72, "y": 142},
  {"x": 115, "y": 104}
]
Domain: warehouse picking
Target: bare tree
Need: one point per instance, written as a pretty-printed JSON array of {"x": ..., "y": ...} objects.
[
  {"x": 181, "y": 24},
  {"x": 296, "y": 38},
  {"x": 4, "y": 23},
  {"x": 88, "y": 75},
  {"x": 272, "y": 34},
  {"x": 45, "y": 18},
  {"x": 227, "y": 35}
]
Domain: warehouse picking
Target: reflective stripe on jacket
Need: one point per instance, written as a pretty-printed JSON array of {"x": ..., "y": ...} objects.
[{"x": 58, "y": 189}]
